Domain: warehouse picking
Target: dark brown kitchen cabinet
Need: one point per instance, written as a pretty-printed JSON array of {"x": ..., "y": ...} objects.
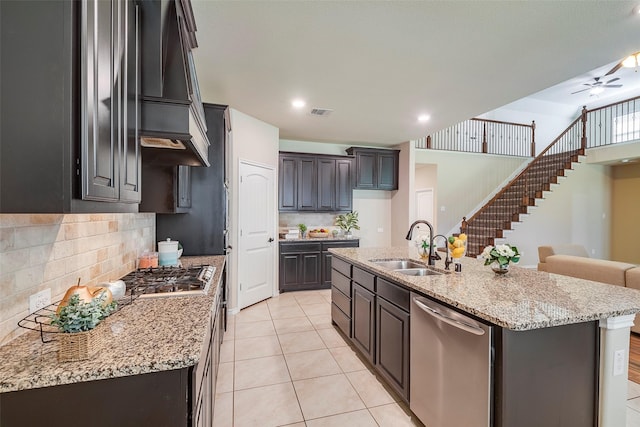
[
  {"x": 363, "y": 312},
  {"x": 315, "y": 183},
  {"x": 171, "y": 398},
  {"x": 375, "y": 169},
  {"x": 392, "y": 337},
  {"x": 327, "y": 257},
  {"x": 69, "y": 108},
  {"x": 306, "y": 265},
  {"x": 166, "y": 189},
  {"x": 300, "y": 266},
  {"x": 200, "y": 192}
]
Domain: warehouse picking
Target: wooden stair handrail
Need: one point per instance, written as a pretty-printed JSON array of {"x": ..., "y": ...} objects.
[{"x": 506, "y": 187}]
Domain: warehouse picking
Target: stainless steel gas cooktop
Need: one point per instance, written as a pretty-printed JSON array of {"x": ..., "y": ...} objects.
[{"x": 169, "y": 281}]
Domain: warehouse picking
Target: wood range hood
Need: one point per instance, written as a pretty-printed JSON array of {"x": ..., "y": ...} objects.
[{"x": 172, "y": 128}]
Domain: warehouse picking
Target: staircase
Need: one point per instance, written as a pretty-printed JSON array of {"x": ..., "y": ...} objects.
[{"x": 513, "y": 201}]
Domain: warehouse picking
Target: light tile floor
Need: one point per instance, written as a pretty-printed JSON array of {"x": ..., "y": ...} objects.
[{"x": 282, "y": 363}]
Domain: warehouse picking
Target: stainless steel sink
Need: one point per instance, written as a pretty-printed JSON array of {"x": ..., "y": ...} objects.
[
  {"x": 399, "y": 264},
  {"x": 418, "y": 271}
]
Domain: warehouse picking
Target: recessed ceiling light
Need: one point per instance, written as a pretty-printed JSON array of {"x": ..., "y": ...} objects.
[
  {"x": 625, "y": 160},
  {"x": 423, "y": 118},
  {"x": 298, "y": 103}
]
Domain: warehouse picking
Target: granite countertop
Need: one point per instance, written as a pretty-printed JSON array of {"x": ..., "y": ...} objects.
[
  {"x": 150, "y": 335},
  {"x": 320, "y": 239},
  {"x": 521, "y": 300}
]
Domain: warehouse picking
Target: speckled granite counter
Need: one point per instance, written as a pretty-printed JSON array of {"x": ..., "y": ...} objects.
[
  {"x": 150, "y": 335},
  {"x": 521, "y": 300},
  {"x": 320, "y": 239}
]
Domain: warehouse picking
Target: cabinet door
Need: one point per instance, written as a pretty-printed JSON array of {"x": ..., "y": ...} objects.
[
  {"x": 101, "y": 86},
  {"x": 392, "y": 345},
  {"x": 183, "y": 186},
  {"x": 344, "y": 186},
  {"x": 387, "y": 178},
  {"x": 326, "y": 185},
  {"x": 310, "y": 273},
  {"x": 307, "y": 185},
  {"x": 130, "y": 163},
  {"x": 289, "y": 271},
  {"x": 363, "y": 317},
  {"x": 366, "y": 170},
  {"x": 326, "y": 269},
  {"x": 288, "y": 184}
]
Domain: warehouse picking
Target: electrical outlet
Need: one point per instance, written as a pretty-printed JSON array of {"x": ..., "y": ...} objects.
[
  {"x": 618, "y": 362},
  {"x": 380, "y": 230},
  {"x": 39, "y": 300}
]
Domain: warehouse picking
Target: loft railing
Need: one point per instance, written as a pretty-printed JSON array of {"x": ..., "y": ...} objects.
[
  {"x": 613, "y": 124},
  {"x": 607, "y": 125},
  {"x": 484, "y": 136}
]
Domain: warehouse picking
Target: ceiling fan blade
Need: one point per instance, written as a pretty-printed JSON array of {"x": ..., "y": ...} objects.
[
  {"x": 582, "y": 90},
  {"x": 613, "y": 80},
  {"x": 611, "y": 86},
  {"x": 614, "y": 69}
]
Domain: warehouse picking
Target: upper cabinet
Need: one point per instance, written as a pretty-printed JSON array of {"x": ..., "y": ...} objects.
[
  {"x": 69, "y": 112},
  {"x": 173, "y": 128},
  {"x": 315, "y": 183},
  {"x": 375, "y": 169}
]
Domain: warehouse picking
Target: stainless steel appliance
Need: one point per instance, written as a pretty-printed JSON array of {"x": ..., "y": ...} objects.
[
  {"x": 169, "y": 281},
  {"x": 451, "y": 366}
]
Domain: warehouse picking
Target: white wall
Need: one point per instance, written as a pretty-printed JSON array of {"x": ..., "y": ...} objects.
[
  {"x": 464, "y": 181},
  {"x": 575, "y": 211},
  {"x": 257, "y": 142},
  {"x": 403, "y": 200}
]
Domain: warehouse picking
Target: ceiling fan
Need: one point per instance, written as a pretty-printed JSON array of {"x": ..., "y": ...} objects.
[{"x": 598, "y": 86}]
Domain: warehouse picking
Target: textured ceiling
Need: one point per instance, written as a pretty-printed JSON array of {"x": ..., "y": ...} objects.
[{"x": 379, "y": 64}]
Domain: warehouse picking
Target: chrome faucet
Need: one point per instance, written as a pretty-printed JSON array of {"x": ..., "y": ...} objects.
[{"x": 432, "y": 260}]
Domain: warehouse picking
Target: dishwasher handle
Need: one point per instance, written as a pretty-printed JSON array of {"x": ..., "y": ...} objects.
[{"x": 453, "y": 322}]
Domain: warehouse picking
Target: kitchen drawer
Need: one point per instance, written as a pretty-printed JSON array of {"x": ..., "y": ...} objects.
[
  {"x": 342, "y": 321},
  {"x": 299, "y": 247},
  {"x": 341, "y": 300},
  {"x": 342, "y": 266},
  {"x": 344, "y": 244},
  {"x": 341, "y": 282},
  {"x": 394, "y": 294},
  {"x": 364, "y": 279}
]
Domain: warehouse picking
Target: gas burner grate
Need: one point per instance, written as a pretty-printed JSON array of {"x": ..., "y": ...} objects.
[{"x": 169, "y": 280}]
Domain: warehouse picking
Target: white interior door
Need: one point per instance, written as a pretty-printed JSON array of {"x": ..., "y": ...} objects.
[
  {"x": 256, "y": 234},
  {"x": 424, "y": 204}
]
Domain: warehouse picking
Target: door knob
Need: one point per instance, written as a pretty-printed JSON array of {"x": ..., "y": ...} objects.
[{"x": 270, "y": 239}]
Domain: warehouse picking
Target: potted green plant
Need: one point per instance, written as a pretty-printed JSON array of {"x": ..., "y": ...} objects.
[
  {"x": 303, "y": 230},
  {"x": 77, "y": 321},
  {"x": 348, "y": 222}
]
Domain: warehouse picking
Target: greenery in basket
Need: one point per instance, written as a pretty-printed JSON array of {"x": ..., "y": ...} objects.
[
  {"x": 348, "y": 221},
  {"x": 80, "y": 316}
]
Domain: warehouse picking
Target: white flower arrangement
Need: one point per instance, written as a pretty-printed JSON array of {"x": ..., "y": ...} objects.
[{"x": 502, "y": 254}]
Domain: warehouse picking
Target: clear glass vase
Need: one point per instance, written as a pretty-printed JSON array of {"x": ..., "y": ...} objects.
[{"x": 500, "y": 268}]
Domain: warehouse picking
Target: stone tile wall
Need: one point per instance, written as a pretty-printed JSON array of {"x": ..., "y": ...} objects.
[{"x": 39, "y": 251}]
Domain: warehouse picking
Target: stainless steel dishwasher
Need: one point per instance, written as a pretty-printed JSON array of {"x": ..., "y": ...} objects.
[{"x": 451, "y": 366}]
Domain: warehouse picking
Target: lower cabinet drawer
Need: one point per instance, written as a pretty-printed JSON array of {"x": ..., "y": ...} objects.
[
  {"x": 342, "y": 321},
  {"x": 341, "y": 300},
  {"x": 394, "y": 293},
  {"x": 341, "y": 282}
]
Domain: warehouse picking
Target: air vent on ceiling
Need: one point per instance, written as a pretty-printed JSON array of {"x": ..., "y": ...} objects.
[{"x": 320, "y": 112}]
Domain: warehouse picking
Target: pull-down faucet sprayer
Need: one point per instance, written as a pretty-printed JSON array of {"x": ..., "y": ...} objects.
[{"x": 432, "y": 261}]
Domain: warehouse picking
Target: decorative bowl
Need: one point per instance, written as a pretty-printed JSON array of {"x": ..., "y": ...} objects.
[{"x": 318, "y": 234}]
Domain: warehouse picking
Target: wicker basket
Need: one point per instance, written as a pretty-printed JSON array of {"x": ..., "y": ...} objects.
[{"x": 77, "y": 346}]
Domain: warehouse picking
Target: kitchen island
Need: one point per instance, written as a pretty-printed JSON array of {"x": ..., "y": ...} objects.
[
  {"x": 539, "y": 321},
  {"x": 150, "y": 344}
]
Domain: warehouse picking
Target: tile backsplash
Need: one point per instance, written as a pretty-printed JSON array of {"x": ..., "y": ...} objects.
[
  {"x": 40, "y": 251},
  {"x": 310, "y": 219}
]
